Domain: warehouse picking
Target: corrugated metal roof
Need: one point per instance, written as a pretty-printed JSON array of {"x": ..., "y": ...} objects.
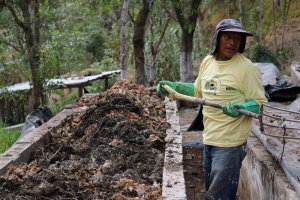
[{"x": 63, "y": 82}]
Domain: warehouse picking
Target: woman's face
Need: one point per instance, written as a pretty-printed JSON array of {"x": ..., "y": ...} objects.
[{"x": 229, "y": 44}]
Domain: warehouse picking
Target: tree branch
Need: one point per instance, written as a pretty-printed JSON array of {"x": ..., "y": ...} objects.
[
  {"x": 168, "y": 12},
  {"x": 178, "y": 11},
  {"x": 165, "y": 25},
  {"x": 11, "y": 45},
  {"x": 11, "y": 8}
]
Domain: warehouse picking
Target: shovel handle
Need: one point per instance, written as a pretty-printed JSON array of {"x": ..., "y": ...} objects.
[{"x": 173, "y": 95}]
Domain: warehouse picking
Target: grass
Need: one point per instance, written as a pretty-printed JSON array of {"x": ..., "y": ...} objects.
[{"x": 7, "y": 138}]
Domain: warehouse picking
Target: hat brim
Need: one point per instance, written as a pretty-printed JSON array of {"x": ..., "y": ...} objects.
[{"x": 237, "y": 30}]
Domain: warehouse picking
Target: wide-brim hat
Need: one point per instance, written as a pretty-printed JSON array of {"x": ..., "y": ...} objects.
[{"x": 230, "y": 25}]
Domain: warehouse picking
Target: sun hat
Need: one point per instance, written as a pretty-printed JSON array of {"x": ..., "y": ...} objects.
[{"x": 230, "y": 25}]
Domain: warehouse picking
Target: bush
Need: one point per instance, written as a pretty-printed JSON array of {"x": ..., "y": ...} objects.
[
  {"x": 284, "y": 56},
  {"x": 59, "y": 106},
  {"x": 261, "y": 53}
]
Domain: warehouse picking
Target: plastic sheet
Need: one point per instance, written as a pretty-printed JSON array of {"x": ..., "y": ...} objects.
[
  {"x": 35, "y": 119},
  {"x": 269, "y": 72}
]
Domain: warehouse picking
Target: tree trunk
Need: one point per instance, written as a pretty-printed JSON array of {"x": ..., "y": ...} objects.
[
  {"x": 2, "y": 102},
  {"x": 186, "y": 67},
  {"x": 286, "y": 8},
  {"x": 228, "y": 8},
  {"x": 123, "y": 45},
  {"x": 242, "y": 12},
  {"x": 154, "y": 50},
  {"x": 188, "y": 26},
  {"x": 139, "y": 42},
  {"x": 31, "y": 28},
  {"x": 274, "y": 24},
  {"x": 32, "y": 38},
  {"x": 260, "y": 21}
]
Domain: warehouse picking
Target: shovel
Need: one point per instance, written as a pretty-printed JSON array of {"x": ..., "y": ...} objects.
[{"x": 173, "y": 95}]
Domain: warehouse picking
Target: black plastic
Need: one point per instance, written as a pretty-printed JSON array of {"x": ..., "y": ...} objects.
[
  {"x": 282, "y": 91},
  {"x": 197, "y": 124}
]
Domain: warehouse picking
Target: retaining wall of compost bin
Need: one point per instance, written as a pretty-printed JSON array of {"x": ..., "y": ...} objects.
[
  {"x": 173, "y": 187},
  {"x": 262, "y": 176},
  {"x": 21, "y": 150}
]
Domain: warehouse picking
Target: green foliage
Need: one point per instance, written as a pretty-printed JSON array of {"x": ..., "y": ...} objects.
[
  {"x": 15, "y": 106},
  {"x": 284, "y": 56},
  {"x": 252, "y": 24},
  {"x": 90, "y": 71},
  {"x": 108, "y": 64},
  {"x": 201, "y": 53},
  {"x": 72, "y": 31},
  {"x": 261, "y": 53},
  {"x": 99, "y": 85},
  {"x": 59, "y": 106},
  {"x": 5, "y": 16},
  {"x": 7, "y": 138},
  {"x": 167, "y": 63},
  {"x": 96, "y": 46}
]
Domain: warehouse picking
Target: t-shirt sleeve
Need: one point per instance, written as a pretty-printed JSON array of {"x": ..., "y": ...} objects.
[
  {"x": 252, "y": 85},
  {"x": 197, "y": 86}
]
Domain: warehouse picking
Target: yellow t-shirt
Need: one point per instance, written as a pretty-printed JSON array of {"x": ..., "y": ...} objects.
[{"x": 236, "y": 80}]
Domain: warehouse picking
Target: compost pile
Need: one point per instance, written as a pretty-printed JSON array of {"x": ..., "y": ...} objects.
[{"x": 113, "y": 150}]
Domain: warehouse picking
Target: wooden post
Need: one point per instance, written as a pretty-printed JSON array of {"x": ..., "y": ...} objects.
[
  {"x": 80, "y": 90},
  {"x": 1, "y": 111},
  {"x": 106, "y": 82}
]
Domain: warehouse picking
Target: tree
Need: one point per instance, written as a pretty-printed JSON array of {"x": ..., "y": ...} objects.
[
  {"x": 123, "y": 45},
  {"x": 26, "y": 15},
  {"x": 274, "y": 23},
  {"x": 286, "y": 8},
  {"x": 228, "y": 8},
  {"x": 188, "y": 25},
  {"x": 260, "y": 21},
  {"x": 242, "y": 12},
  {"x": 139, "y": 42},
  {"x": 155, "y": 44}
]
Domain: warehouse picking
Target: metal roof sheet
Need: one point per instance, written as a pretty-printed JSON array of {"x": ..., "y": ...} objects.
[{"x": 65, "y": 82}]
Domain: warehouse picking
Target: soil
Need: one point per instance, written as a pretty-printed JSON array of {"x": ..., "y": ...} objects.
[
  {"x": 192, "y": 155},
  {"x": 115, "y": 150}
]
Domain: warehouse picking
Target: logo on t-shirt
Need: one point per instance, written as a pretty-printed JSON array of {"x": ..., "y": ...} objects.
[{"x": 211, "y": 85}]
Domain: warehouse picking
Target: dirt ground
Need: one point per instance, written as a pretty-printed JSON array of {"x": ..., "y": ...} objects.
[
  {"x": 115, "y": 150},
  {"x": 192, "y": 155}
]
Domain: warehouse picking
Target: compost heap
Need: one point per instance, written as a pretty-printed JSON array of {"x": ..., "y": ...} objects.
[{"x": 113, "y": 150}]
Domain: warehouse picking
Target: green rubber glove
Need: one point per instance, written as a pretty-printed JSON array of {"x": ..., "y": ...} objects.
[
  {"x": 231, "y": 111},
  {"x": 250, "y": 105},
  {"x": 180, "y": 87}
]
